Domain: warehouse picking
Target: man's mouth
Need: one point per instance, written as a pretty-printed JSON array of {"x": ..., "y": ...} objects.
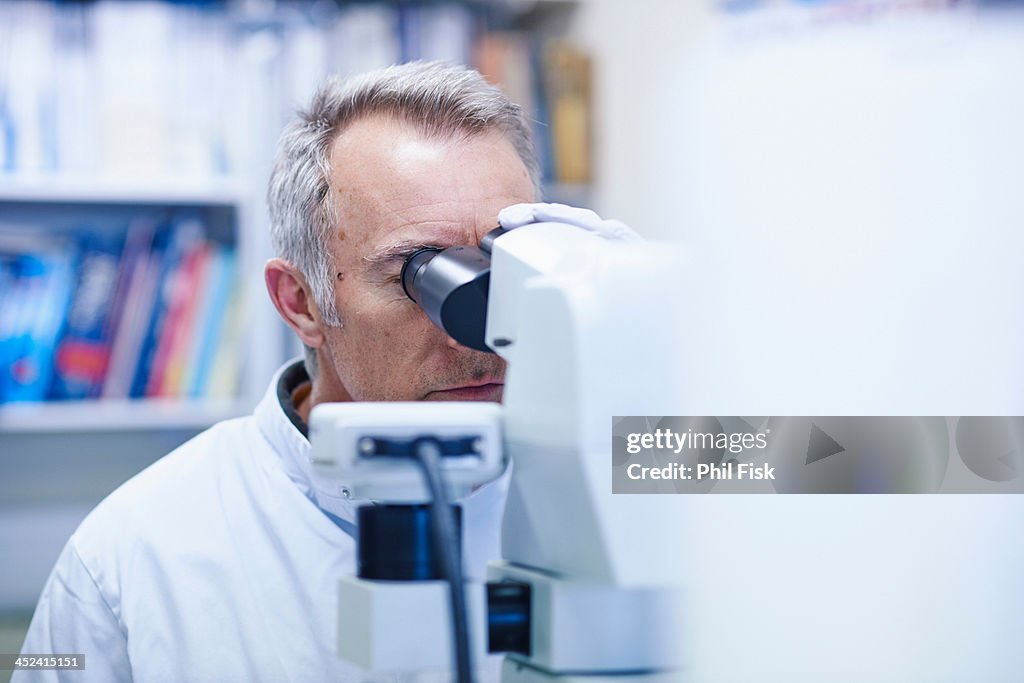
[{"x": 487, "y": 390}]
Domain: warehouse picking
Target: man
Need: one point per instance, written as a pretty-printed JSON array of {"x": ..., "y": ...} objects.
[{"x": 220, "y": 562}]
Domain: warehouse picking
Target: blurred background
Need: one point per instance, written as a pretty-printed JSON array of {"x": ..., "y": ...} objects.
[{"x": 847, "y": 174}]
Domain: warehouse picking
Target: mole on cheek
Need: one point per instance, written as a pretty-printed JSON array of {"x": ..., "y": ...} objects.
[
  {"x": 341, "y": 276},
  {"x": 342, "y": 235}
]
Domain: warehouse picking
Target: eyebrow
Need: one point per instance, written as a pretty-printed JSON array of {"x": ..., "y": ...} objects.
[{"x": 398, "y": 253}]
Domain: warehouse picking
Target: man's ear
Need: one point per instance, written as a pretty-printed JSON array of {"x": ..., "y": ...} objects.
[{"x": 293, "y": 300}]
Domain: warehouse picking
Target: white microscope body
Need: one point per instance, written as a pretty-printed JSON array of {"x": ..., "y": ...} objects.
[{"x": 590, "y": 330}]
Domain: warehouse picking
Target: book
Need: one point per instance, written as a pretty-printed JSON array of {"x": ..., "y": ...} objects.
[
  {"x": 542, "y": 134},
  {"x": 10, "y": 305},
  {"x": 81, "y": 357},
  {"x": 224, "y": 370},
  {"x": 181, "y": 237},
  {"x": 131, "y": 305},
  {"x": 503, "y": 58},
  {"x": 43, "y": 289},
  {"x": 365, "y": 37},
  {"x": 27, "y": 86},
  {"x": 512, "y": 60},
  {"x": 210, "y": 323},
  {"x": 567, "y": 76},
  {"x": 165, "y": 380},
  {"x": 14, "y": 326},
  {"x": 431, "y": 32}
]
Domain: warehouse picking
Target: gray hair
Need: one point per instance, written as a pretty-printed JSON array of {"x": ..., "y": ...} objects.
[{"x": 443, "y": 100}]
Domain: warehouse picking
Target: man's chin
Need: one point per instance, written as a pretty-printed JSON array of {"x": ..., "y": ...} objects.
[{"x": 484, "y": 392}]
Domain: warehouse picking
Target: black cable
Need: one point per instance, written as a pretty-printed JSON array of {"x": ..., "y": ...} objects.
[{"x": 446, "y": 544}]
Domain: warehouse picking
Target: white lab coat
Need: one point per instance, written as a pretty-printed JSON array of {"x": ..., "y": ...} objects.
[{"x": 216, "y": 564}]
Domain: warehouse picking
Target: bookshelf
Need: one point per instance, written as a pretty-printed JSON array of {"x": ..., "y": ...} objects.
[
  {"x": 117, "y": 415},
  {"x": 83, "y": 190},
  {"x": 200, "y": 297}
]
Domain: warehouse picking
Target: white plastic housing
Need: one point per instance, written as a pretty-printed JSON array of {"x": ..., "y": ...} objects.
[
  {"x": 336, "y": 430},
  {"x": 402, "y": 626}
]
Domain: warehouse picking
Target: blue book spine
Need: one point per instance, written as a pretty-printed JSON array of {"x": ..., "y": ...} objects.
[
  {"x": 81, "y": 358},
  {"x": 46, "y": 284},
  {"x": 8, "y": 310},
  {"x": 542, "y": 134},
  {"x": 409, "y": 33}
]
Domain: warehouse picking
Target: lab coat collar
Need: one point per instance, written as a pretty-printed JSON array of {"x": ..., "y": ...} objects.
[{"x": 293, "y": 450}]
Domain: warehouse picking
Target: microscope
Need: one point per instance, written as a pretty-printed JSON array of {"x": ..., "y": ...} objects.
[{"x": 587, "y": 590}]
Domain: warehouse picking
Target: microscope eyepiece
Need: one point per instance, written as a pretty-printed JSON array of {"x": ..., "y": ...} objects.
[
  {"x": 413, "y": 267},
  {"x": 451, "y": 286}
]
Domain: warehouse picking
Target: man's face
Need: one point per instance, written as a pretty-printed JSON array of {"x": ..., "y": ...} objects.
[{"x": 398, "y": 192}]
